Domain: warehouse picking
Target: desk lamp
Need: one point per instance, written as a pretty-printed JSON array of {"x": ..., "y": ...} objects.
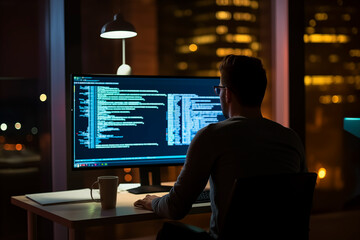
[{"x": 119, "y": 29}]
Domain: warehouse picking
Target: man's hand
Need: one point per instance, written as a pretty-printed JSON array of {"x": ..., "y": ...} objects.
[{"x": 146, "y": 202}]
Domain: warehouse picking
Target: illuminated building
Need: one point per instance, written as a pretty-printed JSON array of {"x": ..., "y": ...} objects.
[
  {"x": 332, "y": 81},
  {"x": 196, "y": 35}
]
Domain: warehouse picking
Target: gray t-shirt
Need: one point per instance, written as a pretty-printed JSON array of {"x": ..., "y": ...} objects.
[{"x": 224, "y": 151}]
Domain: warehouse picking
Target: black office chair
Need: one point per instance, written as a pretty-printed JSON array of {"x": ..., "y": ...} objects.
[{"x": 262, "y": 207}]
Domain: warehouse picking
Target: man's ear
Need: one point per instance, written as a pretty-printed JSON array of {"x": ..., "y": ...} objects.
[{"x": 228, "y": 95}]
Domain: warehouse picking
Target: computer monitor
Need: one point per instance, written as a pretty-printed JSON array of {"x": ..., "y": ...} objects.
[
  {"x": 138, "y": 121},
  {"x": 351, "y": 162}
]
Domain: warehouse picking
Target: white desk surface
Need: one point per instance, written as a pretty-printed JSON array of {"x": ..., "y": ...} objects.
[{"x": 78, "y": 215}]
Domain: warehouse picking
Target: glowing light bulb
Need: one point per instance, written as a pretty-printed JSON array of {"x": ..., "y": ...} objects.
[
  {"x": 3, "y": 126},
  {"x": 43, "y": 97},
  {"x": 18, "y": 147},
  {"x": 128, "y": 177},
  {"x": 322, "y": 173},
  {"x": 193, "y": 47},
  {"x": 18, "y": 126}
]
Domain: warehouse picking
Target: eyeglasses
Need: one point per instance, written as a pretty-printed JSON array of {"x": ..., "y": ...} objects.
[{"x": 217, "y": 89}]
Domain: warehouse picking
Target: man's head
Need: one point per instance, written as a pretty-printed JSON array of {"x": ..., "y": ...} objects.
[{"x": 245, "y": 77}]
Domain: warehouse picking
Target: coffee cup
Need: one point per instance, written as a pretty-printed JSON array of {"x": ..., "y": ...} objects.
[{"x": 108, "y": 191}]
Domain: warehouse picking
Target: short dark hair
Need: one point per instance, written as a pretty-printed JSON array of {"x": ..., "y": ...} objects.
[{"x": 245, "y": 77}]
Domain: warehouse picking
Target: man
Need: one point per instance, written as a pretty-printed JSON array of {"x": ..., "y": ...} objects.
[{"x": 243, "y": 145}]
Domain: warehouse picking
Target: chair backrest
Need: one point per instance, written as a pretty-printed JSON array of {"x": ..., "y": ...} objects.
[{"x": 270, "y": 207}]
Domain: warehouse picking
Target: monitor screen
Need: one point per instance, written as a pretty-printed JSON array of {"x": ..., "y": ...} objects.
[{"x": 131, "y": 121}]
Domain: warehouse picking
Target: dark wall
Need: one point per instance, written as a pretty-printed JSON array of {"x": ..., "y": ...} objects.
[{"x": 19, "y": 38}]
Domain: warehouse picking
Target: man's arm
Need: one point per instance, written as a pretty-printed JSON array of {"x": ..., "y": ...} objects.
[{"x": 190, "y": 183}]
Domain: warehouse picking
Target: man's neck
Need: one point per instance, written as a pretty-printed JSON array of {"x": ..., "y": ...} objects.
[{"x": 248, "y": 112}]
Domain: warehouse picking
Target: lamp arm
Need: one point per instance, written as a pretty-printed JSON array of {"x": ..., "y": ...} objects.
[
  {"x": 124, "y": 69},
  {"x": 123, "y": 51}
]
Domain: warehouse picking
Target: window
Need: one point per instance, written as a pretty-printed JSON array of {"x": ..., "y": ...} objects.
[{"x": 332, "y": 83}]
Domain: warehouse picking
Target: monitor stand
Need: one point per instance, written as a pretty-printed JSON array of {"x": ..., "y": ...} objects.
[{"x": 147, "y": 173}]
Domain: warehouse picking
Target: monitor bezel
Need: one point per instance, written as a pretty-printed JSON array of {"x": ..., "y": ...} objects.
[{"x": 71, "y": 108}]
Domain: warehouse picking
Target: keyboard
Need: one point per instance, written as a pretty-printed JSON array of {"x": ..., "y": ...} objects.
[{"x": 203, "y": 197}]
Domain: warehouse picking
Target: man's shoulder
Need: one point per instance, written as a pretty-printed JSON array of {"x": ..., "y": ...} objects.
[
  {"x": 212, "y": 128},
  {"x": 276, "y": 125},
  {"x": 283, "y": 132},
  {"x": 245, "y": 125},
  {"x": 218, "y": 126}
]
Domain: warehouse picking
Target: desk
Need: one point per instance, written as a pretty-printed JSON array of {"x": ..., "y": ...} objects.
[{"x": 77, "y": 216}]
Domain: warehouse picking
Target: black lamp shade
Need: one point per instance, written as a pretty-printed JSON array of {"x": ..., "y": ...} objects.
[{"x": 118, "y": 28}]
